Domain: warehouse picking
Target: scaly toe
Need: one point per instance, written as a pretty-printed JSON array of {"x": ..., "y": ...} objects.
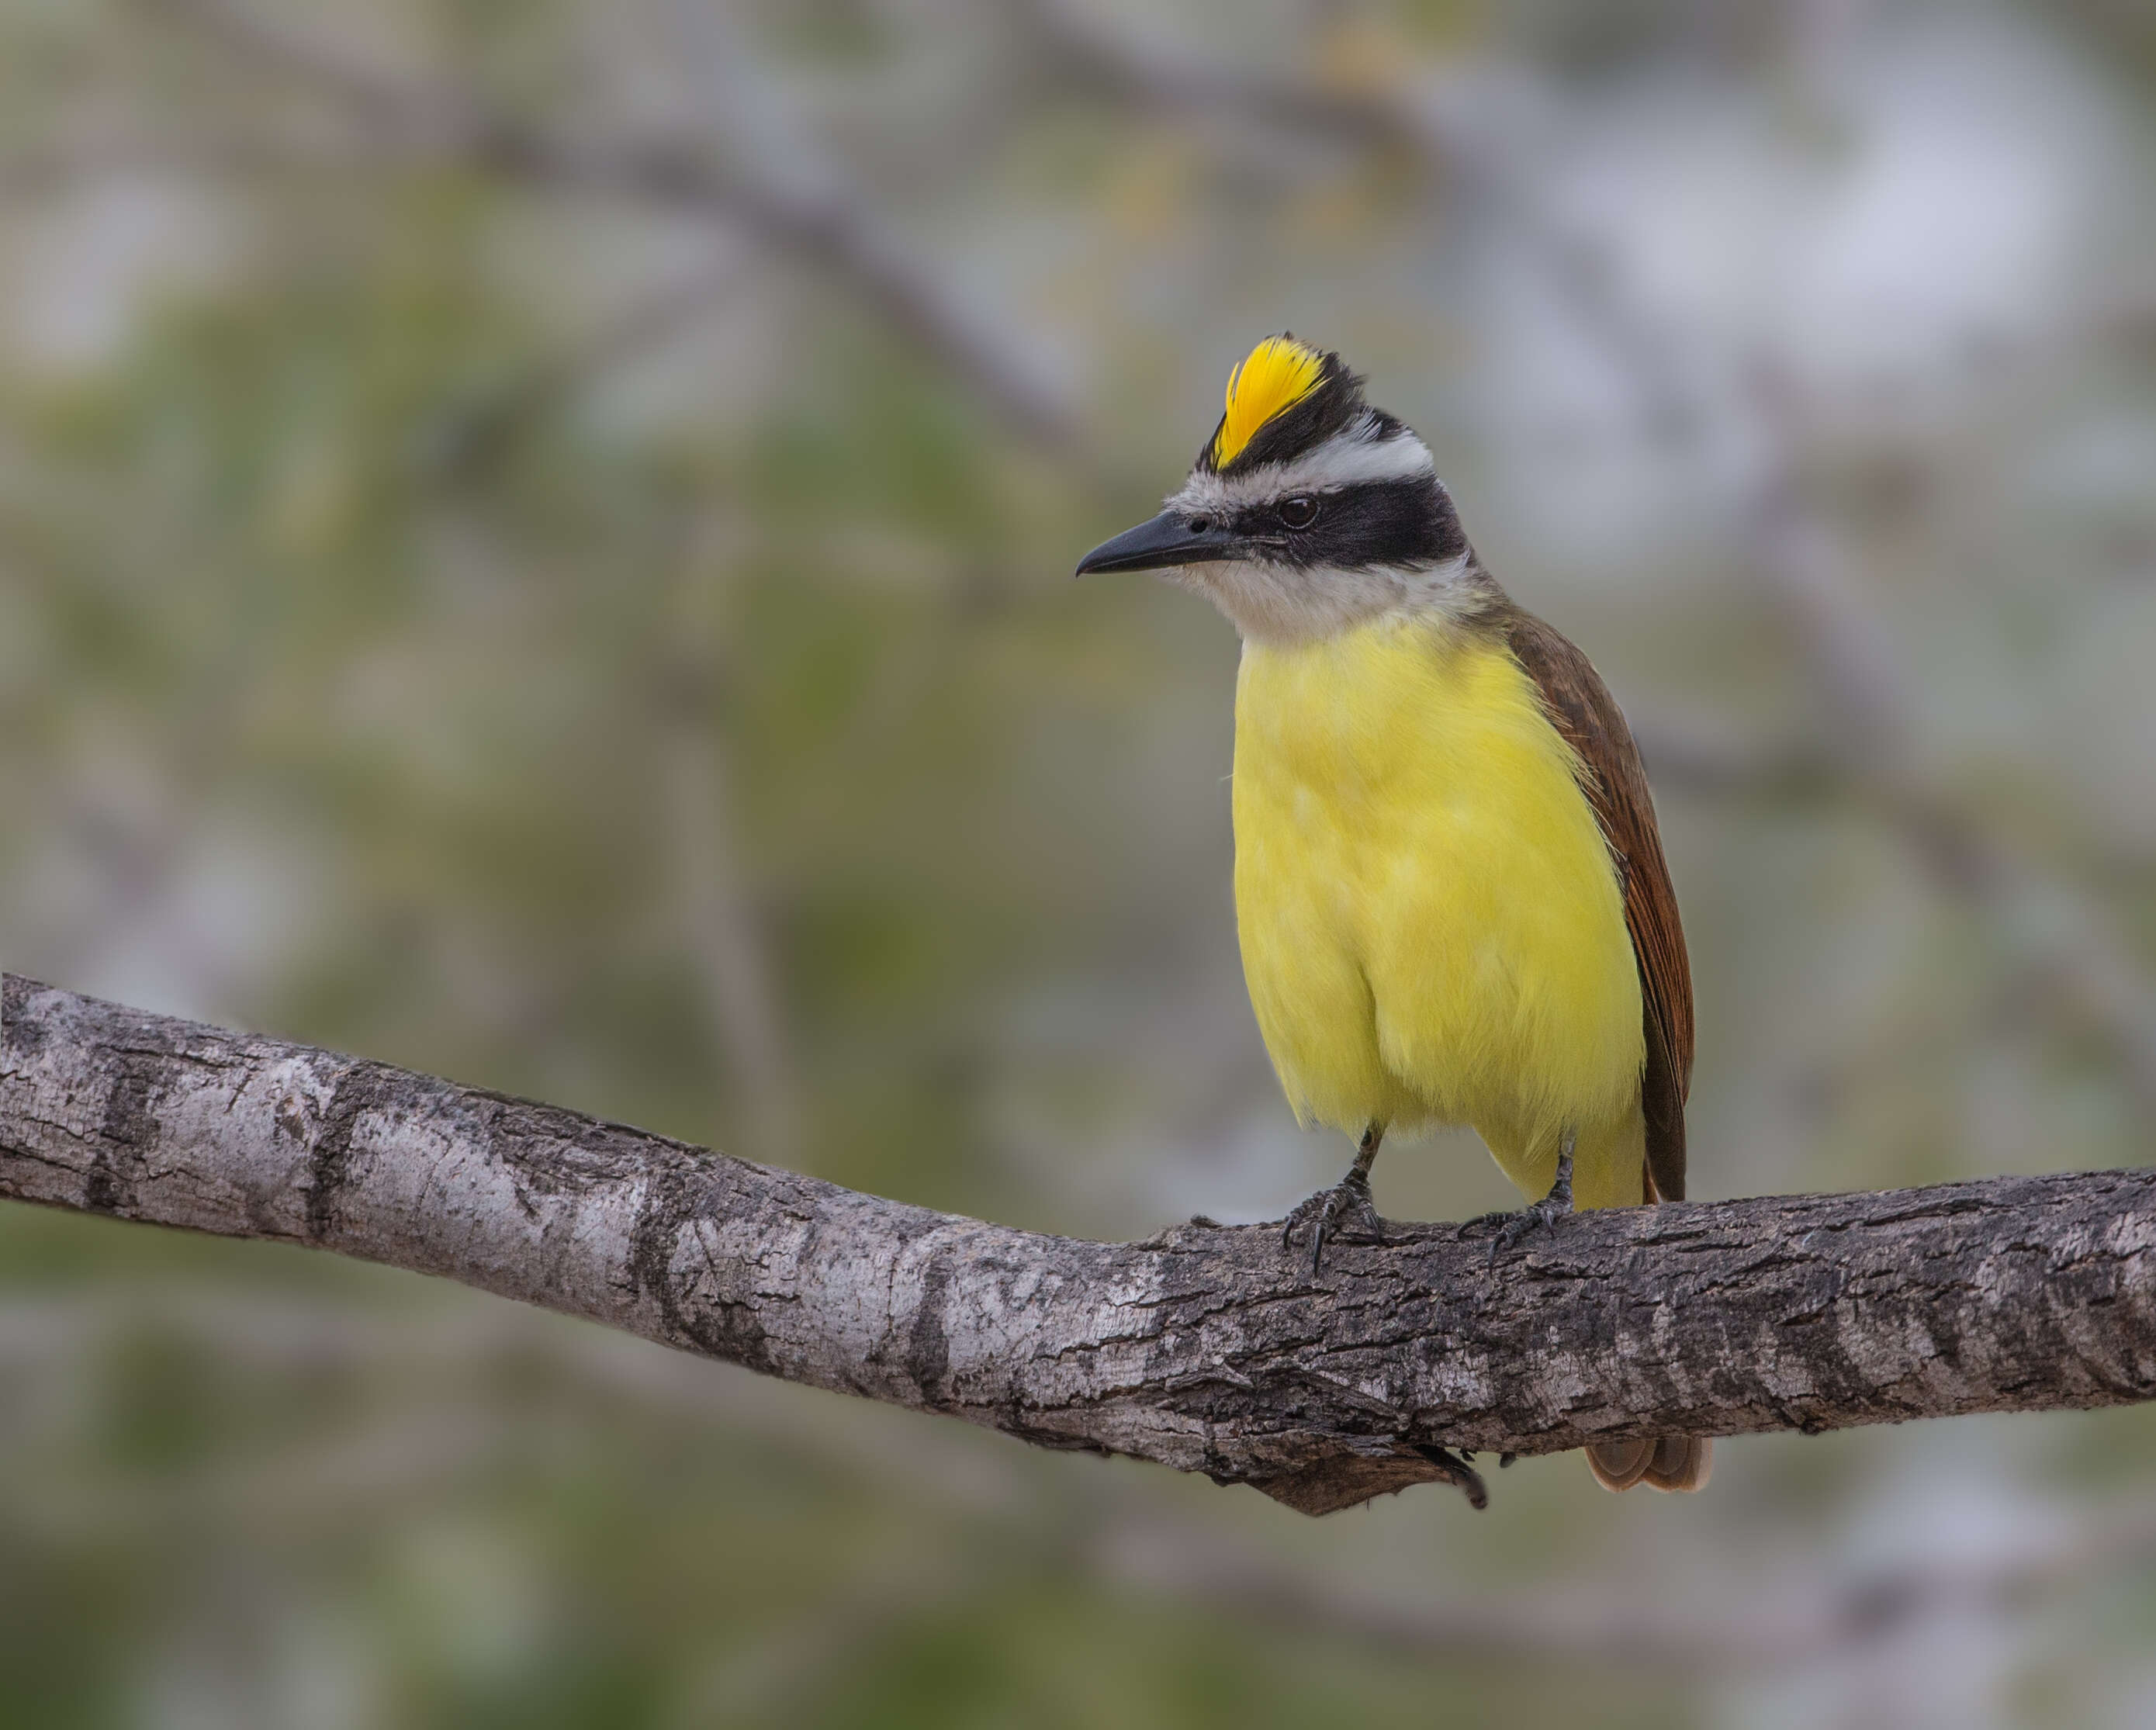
[
  {"x": 1345, "y": 1211},
  {"x": 1514, "y": 1229}
]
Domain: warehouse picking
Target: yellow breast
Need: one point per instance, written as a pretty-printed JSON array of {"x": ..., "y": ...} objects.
[{"x": 1432, "y": 926}]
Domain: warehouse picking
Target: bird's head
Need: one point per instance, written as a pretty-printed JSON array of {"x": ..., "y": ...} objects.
[{"x": 1307, "y": 511}]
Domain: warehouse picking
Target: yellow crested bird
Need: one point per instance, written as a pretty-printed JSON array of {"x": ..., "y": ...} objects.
[{"x": 1449, "y": 886}]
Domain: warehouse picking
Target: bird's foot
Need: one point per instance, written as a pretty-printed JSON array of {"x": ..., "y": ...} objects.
[
  {"x": 1514, "y": 1228},
  {"x": 1345, "y": 1211}
]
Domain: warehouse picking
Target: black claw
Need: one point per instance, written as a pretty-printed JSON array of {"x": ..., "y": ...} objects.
[
  {"x": 1516, "y": 1228},
  {"x": 1455, "y": 1469},
  {"x": 1513, "y": 1229},
  {"x": 1345, "y": 1210}
]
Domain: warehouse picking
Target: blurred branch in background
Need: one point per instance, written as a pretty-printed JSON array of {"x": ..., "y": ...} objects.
[
  {"x": 1080, "y": 47},
  {"x": 1206, "y": 1348},
  {"x": 645, "y": 326},
  {"x": 823, "y": 225},
  {"x": 2079, "y": 959},
  {"x": 1612, "y": 1623}
]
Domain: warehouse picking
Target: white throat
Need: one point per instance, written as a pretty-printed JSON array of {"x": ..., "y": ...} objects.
[{"x": 1271, "y": 604}]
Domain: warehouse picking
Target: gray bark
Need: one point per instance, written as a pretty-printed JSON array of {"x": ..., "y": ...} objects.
[{"x": 1206, "y": 1349}]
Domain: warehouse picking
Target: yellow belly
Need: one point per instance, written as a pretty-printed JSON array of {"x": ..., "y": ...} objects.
[{"x": 1432, "y": 927}]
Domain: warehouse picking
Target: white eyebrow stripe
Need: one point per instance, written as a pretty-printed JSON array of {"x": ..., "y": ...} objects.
[{"x": 1344, "y": 461}]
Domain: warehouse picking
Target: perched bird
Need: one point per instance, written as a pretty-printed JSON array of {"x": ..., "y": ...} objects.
[{"x": 1450, "y": 890}]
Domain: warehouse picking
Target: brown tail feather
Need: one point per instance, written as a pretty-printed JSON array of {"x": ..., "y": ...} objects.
[
  {"x": 1661, "y": 1462},
  {"x": 1619, "y": 1465},
  {"x": 1681, "y": 1462}
]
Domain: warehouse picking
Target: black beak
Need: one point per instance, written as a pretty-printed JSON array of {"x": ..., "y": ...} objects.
[{"x": 1174, "y": 537}]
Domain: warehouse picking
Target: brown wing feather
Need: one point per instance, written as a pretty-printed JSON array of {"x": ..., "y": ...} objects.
[{"x": 1588, "y": 716}]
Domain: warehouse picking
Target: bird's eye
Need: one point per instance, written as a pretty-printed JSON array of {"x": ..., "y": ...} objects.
[
  {"x": 1201, "y": 525},
  {"x": 1298, "y": 511}
]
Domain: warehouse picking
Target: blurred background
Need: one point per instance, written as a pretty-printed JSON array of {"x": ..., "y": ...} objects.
[{"x": 535, "y": 545}]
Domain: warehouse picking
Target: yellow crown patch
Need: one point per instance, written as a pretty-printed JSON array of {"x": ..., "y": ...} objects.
[{"x": 1273, "y": 377}]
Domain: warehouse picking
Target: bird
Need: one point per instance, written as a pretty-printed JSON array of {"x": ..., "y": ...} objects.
[{"x": 1451, "y": 893}]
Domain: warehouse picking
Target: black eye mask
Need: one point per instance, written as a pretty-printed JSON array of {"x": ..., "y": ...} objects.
[{"x": 1359, "y": 528}]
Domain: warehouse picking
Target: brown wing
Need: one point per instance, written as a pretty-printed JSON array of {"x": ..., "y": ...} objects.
[{"x": 1588, "y": 717}]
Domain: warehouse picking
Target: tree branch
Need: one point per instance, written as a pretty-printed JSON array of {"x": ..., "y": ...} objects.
[{"x": 1206, "y": 1349}]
